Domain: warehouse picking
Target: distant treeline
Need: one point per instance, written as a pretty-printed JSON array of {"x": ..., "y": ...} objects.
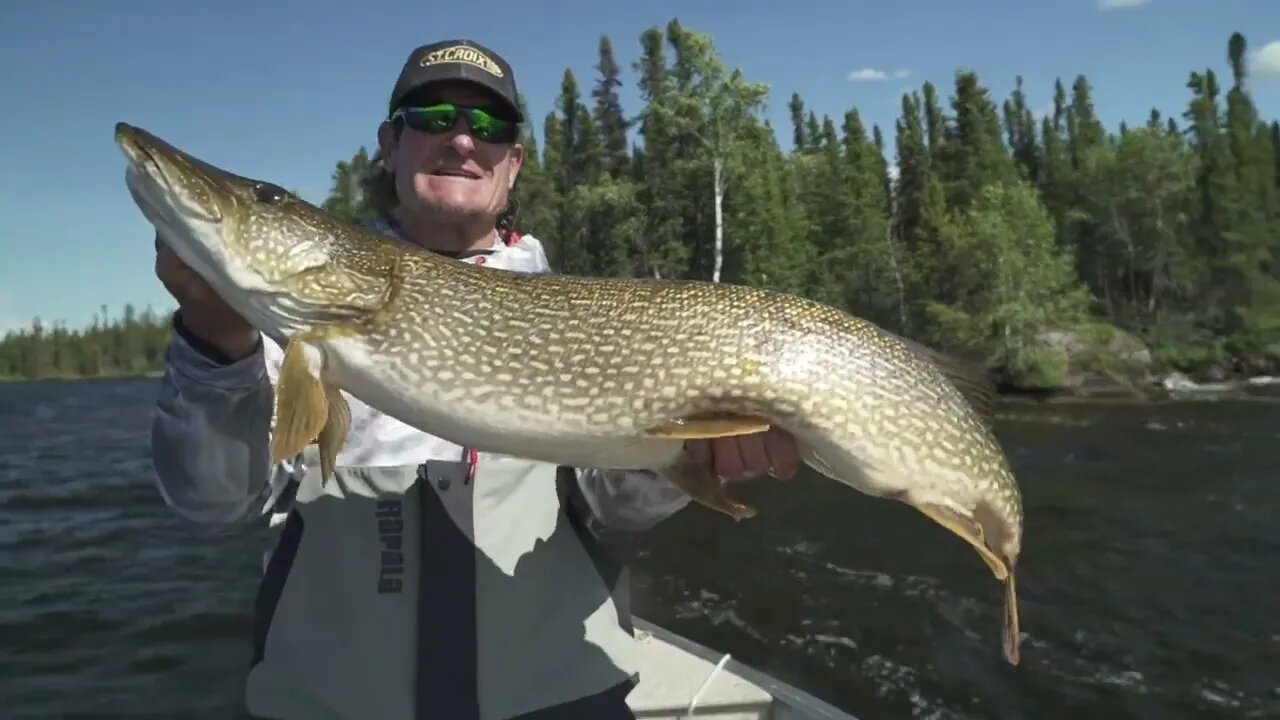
[
  {"x": 997, "y": 230},
  {"x": 131, "y": 344}
]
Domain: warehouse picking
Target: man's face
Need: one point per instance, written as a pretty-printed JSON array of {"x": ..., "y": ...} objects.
[{"x": 452, "y": 173}]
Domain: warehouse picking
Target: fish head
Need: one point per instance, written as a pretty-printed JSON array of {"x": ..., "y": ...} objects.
[{"x": 281, "y": 262}]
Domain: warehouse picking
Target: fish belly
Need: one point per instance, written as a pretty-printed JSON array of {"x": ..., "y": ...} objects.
[{"x": 452, "y": 412}]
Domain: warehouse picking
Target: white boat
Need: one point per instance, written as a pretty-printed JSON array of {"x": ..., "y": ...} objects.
[{"x": 682, "y": 679}]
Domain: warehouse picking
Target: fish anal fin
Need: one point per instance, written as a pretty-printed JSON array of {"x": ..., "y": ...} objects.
[
  {"x": 968, "y": 529},
  {"x": 713, "y": 424},
  {"x": 302, "y": 404}
]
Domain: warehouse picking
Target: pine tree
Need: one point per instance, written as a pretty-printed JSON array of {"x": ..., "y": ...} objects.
[
  {"x": 994, "y": 230},
  {"x": 609, "y": 118}
]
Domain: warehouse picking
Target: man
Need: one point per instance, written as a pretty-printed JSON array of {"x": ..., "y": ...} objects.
[{"x": 426, "y": 580}]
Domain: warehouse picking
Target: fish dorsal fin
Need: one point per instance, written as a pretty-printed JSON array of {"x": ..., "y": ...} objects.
[{"x": 969, "y": 377}]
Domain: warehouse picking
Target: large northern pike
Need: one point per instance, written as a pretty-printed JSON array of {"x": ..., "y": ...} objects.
[{"x": 587, "y": 372}]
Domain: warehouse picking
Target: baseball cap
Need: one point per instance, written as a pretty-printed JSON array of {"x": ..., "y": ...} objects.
[{"x": 458, "y": 60}]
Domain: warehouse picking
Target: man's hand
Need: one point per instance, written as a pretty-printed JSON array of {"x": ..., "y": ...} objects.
[
  {"x": 741, "y": 457},
  {"x": 204, "y": 314}
]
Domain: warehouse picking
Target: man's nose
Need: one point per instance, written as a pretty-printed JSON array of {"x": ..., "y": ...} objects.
[{"x": 461, "y": 141}]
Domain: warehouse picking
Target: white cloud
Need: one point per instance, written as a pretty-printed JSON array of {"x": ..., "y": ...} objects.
[
  {"x": 1115, "y": 4},
  {"x": 876, "y": 74},
  {"x": 1265, "y": 63}
]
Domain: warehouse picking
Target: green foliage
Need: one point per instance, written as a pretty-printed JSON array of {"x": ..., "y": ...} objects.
[
  {"x": 1011, "y": 279},
  {"x": 133, "y": 344},
  {"x": 346, "y": 196},
  {"x": 996, "y": 229},
  {"x": 1040, "y": 368}
]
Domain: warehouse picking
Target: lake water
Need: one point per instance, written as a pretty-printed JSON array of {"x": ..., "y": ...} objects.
[{"x": 1149, "y": 580}]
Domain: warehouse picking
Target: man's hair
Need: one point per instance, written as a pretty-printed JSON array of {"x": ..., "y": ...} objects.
[{"x": 380, "y": 186}]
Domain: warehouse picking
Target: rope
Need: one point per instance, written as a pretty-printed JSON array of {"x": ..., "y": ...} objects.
[{"x": 693, "y": 703}]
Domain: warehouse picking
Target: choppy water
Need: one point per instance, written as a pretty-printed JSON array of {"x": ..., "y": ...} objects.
[{"x": 1149, "y": 583}]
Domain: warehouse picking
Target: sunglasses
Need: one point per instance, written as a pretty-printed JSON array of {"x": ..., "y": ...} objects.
[{"x": 442, "y": 117}]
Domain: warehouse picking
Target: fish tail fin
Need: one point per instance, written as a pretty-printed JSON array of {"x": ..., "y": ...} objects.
[
  {"x": 1002, "y": 566},
  {"x": 1011, "y": 634}
]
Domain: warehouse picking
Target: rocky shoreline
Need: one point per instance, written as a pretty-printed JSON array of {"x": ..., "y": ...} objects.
[
  {"x": 1101, "y": 363},
  {"x": 1173, "y": 386}
]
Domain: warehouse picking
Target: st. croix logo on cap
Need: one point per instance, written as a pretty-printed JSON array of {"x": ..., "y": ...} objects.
[{"x": 462, "y": 54}]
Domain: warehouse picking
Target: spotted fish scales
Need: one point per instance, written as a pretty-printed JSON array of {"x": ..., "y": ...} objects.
[{"x": 588, "y": 372}]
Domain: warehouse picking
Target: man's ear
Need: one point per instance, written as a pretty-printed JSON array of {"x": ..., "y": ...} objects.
[{"x": 516, "y": 156}]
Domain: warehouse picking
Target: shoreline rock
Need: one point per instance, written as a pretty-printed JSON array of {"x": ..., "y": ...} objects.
[{"x": 1102, "y": 363}]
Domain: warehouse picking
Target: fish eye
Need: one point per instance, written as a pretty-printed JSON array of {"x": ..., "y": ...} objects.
[{"x": 268, "y": 193}]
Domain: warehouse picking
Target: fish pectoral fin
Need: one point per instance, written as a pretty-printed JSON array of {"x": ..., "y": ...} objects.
[
  {"x": 971, "y": 531},
  {"x": 302, "y": 402},
  {"x": 700, "y": 426},
  {"x": 968, "y": 529},
  {"x": 705, "y": 488},
  {"x": 334, "y": 434}
]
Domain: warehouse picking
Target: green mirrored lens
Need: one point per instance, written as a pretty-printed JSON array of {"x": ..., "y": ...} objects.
[
  {"x": 434, "y": 119},
  {"x": 484, "y": 124},
  {"x": 441, "y": 118}
]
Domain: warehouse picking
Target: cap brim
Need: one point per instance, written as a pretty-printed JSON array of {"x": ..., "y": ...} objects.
[{"x": 463, "y": 74}]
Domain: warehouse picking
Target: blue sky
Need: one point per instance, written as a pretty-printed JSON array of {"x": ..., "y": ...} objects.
[{"x": 283, "y": 90}]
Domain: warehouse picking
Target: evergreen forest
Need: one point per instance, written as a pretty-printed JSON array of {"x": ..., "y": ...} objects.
[{"x": 1049, "y": 247}]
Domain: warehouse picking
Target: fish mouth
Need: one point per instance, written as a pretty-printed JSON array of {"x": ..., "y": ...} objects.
[
  {"x": 142, "y": 162},
  {"x": 151, "y": 159},
  {"x": 178, "y": 199}
]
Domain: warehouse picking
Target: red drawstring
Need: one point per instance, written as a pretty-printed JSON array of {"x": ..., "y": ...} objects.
[{"x": 473, "y": 457}]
